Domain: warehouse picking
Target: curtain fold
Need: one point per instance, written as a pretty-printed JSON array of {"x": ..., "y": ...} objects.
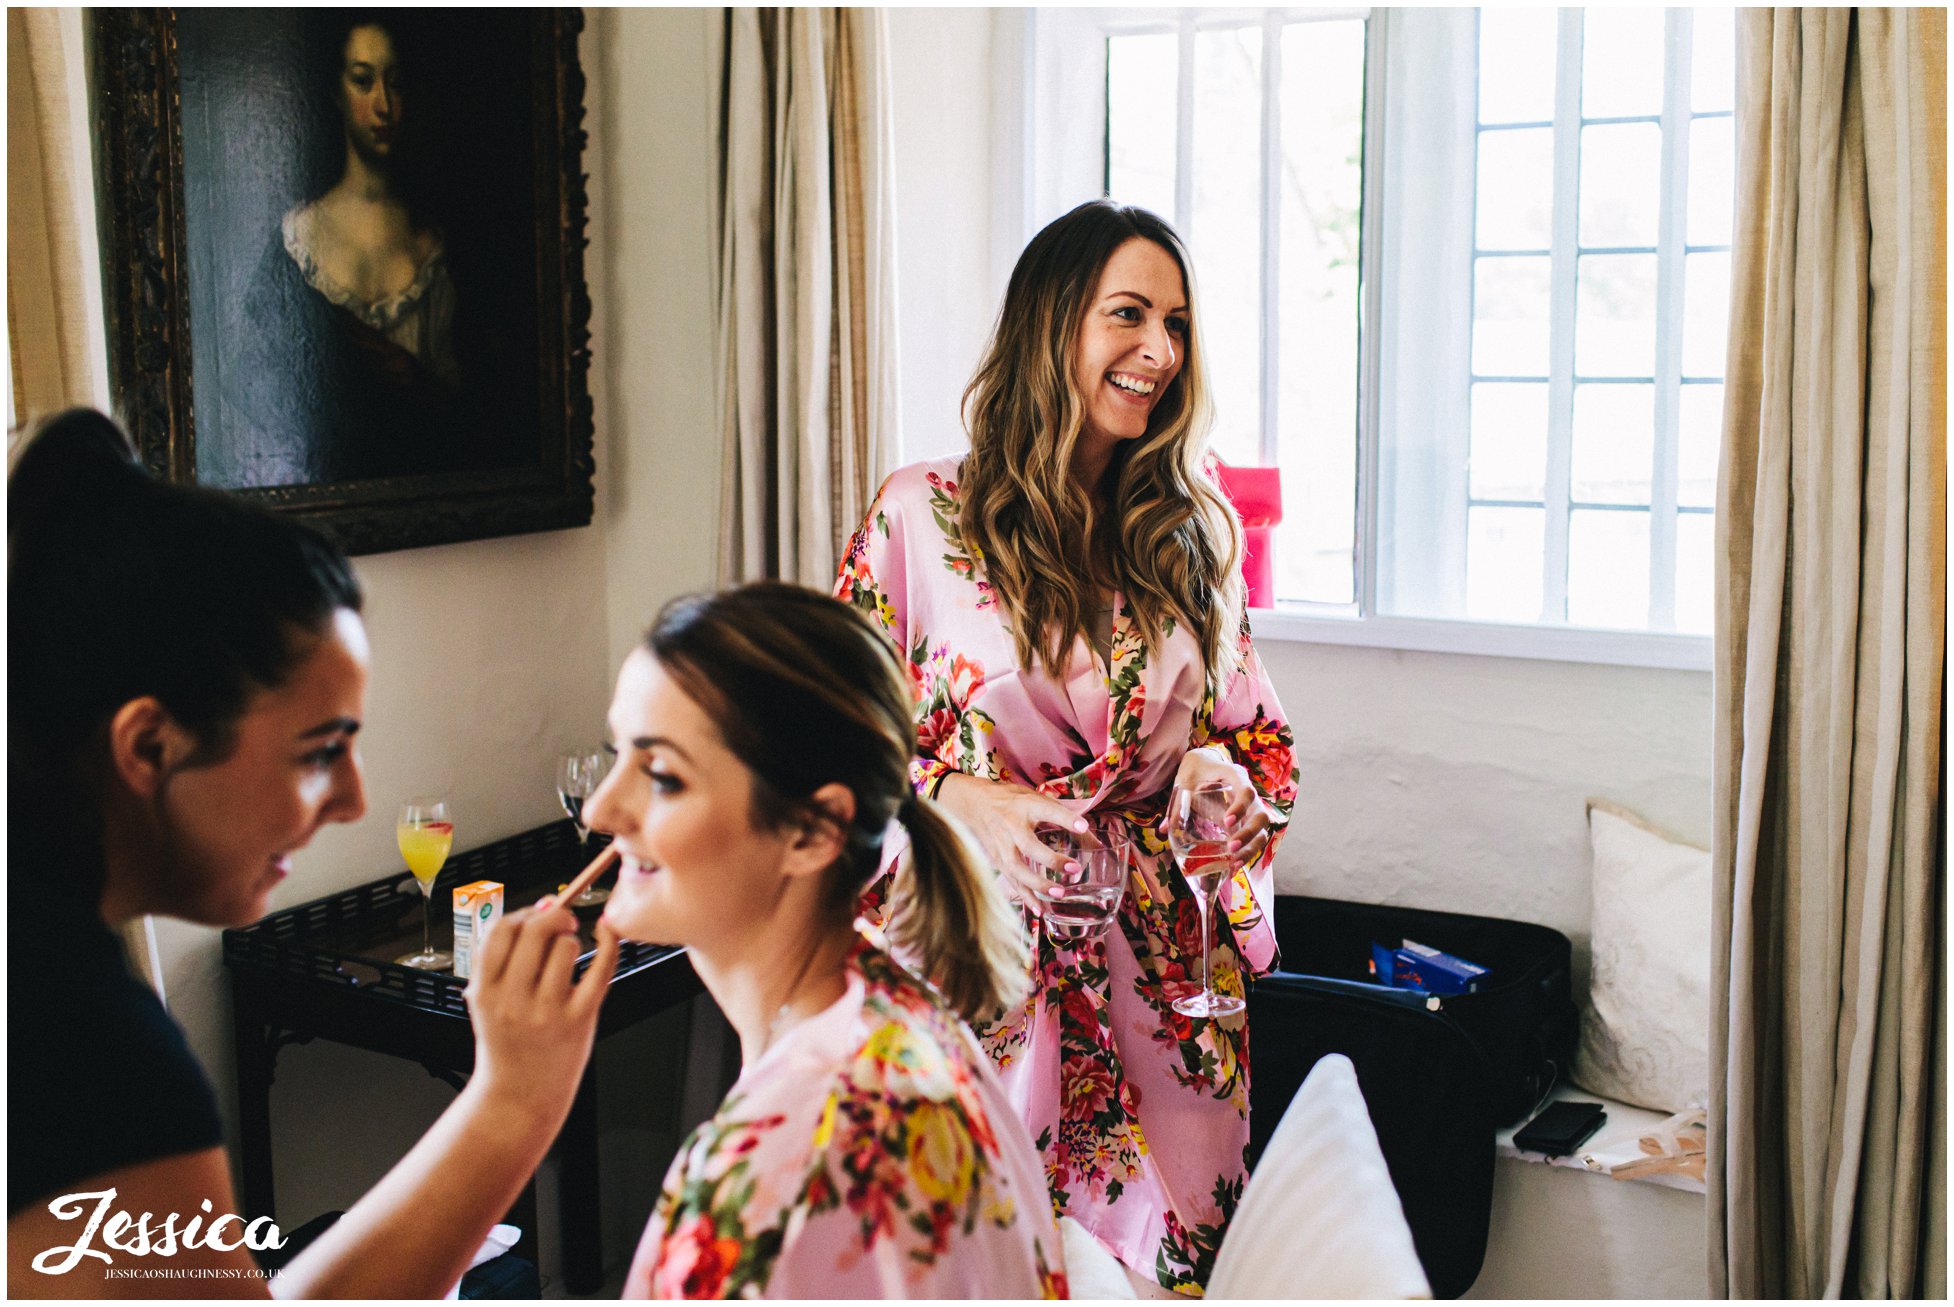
[
  {"x": 47, "y": 314},
  {"x": 806, "y": 309},
  {"x": 1828, "y": 1137}
]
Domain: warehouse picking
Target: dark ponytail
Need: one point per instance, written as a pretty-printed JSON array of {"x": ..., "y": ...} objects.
[
  {"x": 807, "y": 693},
  {"x": 120, "y": 587}
]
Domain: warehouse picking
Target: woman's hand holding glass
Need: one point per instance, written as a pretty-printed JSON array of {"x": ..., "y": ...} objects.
[
  {"x": 1250, "y": 819},
  {"x": 1004, "y": 817},
  {"x": 534, "y": 1022}
]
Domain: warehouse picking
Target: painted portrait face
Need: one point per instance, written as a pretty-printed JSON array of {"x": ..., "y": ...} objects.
[
  {"x": 228, "y": 829},
  {"x": 369, "y": 92},
  {"x": 1133, "y": 340},
  {"x": 696, "y": 870}
]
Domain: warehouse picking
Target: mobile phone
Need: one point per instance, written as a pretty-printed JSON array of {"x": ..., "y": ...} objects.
[{"x": 1561, "y": 1129}]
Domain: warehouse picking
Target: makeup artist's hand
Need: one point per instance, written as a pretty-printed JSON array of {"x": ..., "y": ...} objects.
[{"x": 534, "y": 1024}]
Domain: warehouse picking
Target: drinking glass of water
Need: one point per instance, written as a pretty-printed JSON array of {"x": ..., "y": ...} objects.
[{"x": 1082, "y": 903}]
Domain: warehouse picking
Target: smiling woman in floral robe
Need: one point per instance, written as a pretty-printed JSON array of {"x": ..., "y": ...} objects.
[
  {"x": 857, "y": 1159},
  {"x": 1141, "y": 1113}
]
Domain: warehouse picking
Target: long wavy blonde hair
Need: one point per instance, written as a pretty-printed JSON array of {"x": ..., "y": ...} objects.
[{"x": 1168, "y": 539}]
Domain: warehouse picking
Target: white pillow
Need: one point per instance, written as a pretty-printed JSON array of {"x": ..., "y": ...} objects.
[
  {"x": 1092, "y": 1273},
  {"x": 1645, "y": 1037}
]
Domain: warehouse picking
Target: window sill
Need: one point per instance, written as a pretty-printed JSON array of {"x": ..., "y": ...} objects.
[{"x": 1567, "y": 644}]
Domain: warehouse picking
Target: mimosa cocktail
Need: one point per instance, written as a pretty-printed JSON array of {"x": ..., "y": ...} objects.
[{"x": 425, "y": 835}]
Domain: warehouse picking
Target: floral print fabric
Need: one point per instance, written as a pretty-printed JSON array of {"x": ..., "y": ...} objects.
[
  {"x": 869, "y": 1154},
  {"x": 1141, "y": 1113}
]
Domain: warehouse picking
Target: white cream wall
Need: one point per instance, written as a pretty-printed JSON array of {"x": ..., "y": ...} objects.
[
  {"x": 1459, "y": 783},
  {"x": 652, "y": 267},
  {"x": 947, "y": 291}
]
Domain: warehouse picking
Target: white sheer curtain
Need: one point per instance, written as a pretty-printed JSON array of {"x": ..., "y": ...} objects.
[
  {"x": 806, "y": 325},
  {"x": 1828, "y": 1039}
]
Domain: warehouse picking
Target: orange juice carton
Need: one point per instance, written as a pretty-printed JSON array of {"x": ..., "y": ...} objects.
[{"x": 478, "y": 907}]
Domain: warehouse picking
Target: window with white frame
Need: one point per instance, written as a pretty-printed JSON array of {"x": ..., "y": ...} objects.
[{"x": 1463, "y": 276}]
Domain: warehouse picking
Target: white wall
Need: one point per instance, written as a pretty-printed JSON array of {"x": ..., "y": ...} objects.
[
  {"x": 1459, "y": 782},
  {"x": 947, "y": 290},
  {"x": 652, "y": 264}
]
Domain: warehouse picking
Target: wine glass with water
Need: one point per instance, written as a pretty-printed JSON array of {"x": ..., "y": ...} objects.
[
  {"x": 1199, "y": 831},
  {"x": 577, "y": 777},
  {"x": 425, "y": 834}
]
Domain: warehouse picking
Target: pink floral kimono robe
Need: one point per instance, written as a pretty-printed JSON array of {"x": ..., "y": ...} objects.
[
  {"x": 1141, "y": 1113},
  {"x": 870, "y": 1153}
]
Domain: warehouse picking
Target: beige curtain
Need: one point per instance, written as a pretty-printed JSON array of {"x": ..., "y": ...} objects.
[
  {"x": 47, "y": 317},
  {"x": 806, "y": 323},
  {"x": 1828, "y": 1140}
]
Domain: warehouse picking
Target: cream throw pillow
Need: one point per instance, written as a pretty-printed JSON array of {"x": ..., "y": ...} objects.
[{"x": 1645, "y": 1037}]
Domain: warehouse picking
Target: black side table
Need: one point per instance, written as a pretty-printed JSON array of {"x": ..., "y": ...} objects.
[{"x": 322, "y": 970}]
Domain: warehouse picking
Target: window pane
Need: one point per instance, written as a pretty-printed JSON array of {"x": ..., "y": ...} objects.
[
  {"x": 1712, "y": 180},
  {"x": 1226, "y": 231},
  {"x": 1322, "y": 186},
  {"x": 1509, "y": 317},
  {"x": 1503, "y": 563},
  {"x": 1509, "y": 441},
  {"x": 1142, "y": 125},
  {"x": 1695, "y": 572},
  {"x": 1621, "y": 63},
  {"x": 1515, "y": 189},
  {"x": 1621, "y": 183},
  {"x": 1706, "y": 313},
  {"x": 1699, "y": 436},
  {"x": 1614, "y": 444},
  {"x": 1608, "y": 569},
  {"x": 1713, "y": 61},
  {"x": 1515, "y": 45},
  {"x": 1614, "y": 330}
]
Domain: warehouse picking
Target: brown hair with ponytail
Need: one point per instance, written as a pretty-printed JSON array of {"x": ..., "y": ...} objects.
[{"x": 807, "y": 693}]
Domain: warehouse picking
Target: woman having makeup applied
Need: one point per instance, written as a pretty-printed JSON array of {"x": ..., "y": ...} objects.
[
  {"x": 186, "y": 679},
  {"x": 1069, "y": 600},
  {"x": 764, "y": 739}
]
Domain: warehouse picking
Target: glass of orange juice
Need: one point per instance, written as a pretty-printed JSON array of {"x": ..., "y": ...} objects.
[{"x": 425, "y": 834}]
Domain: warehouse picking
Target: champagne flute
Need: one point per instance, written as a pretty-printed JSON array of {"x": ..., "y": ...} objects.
[
  {"x": 1198, "y": 831},
  {"x": 577, "y": 777},
  {"x": 425, "y": 835}
]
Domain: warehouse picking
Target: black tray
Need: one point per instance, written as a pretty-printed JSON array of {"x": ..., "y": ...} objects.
[{"x": 349, "y": 938}]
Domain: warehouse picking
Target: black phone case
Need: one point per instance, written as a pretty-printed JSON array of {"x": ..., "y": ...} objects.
[{"x": 1561, "y": 1129}]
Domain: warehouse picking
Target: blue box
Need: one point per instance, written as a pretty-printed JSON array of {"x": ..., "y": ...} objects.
[{"x": 1424, "y": 969}]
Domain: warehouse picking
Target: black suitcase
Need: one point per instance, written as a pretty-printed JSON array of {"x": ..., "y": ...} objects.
[{"x": 1440, "y": 1076}]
